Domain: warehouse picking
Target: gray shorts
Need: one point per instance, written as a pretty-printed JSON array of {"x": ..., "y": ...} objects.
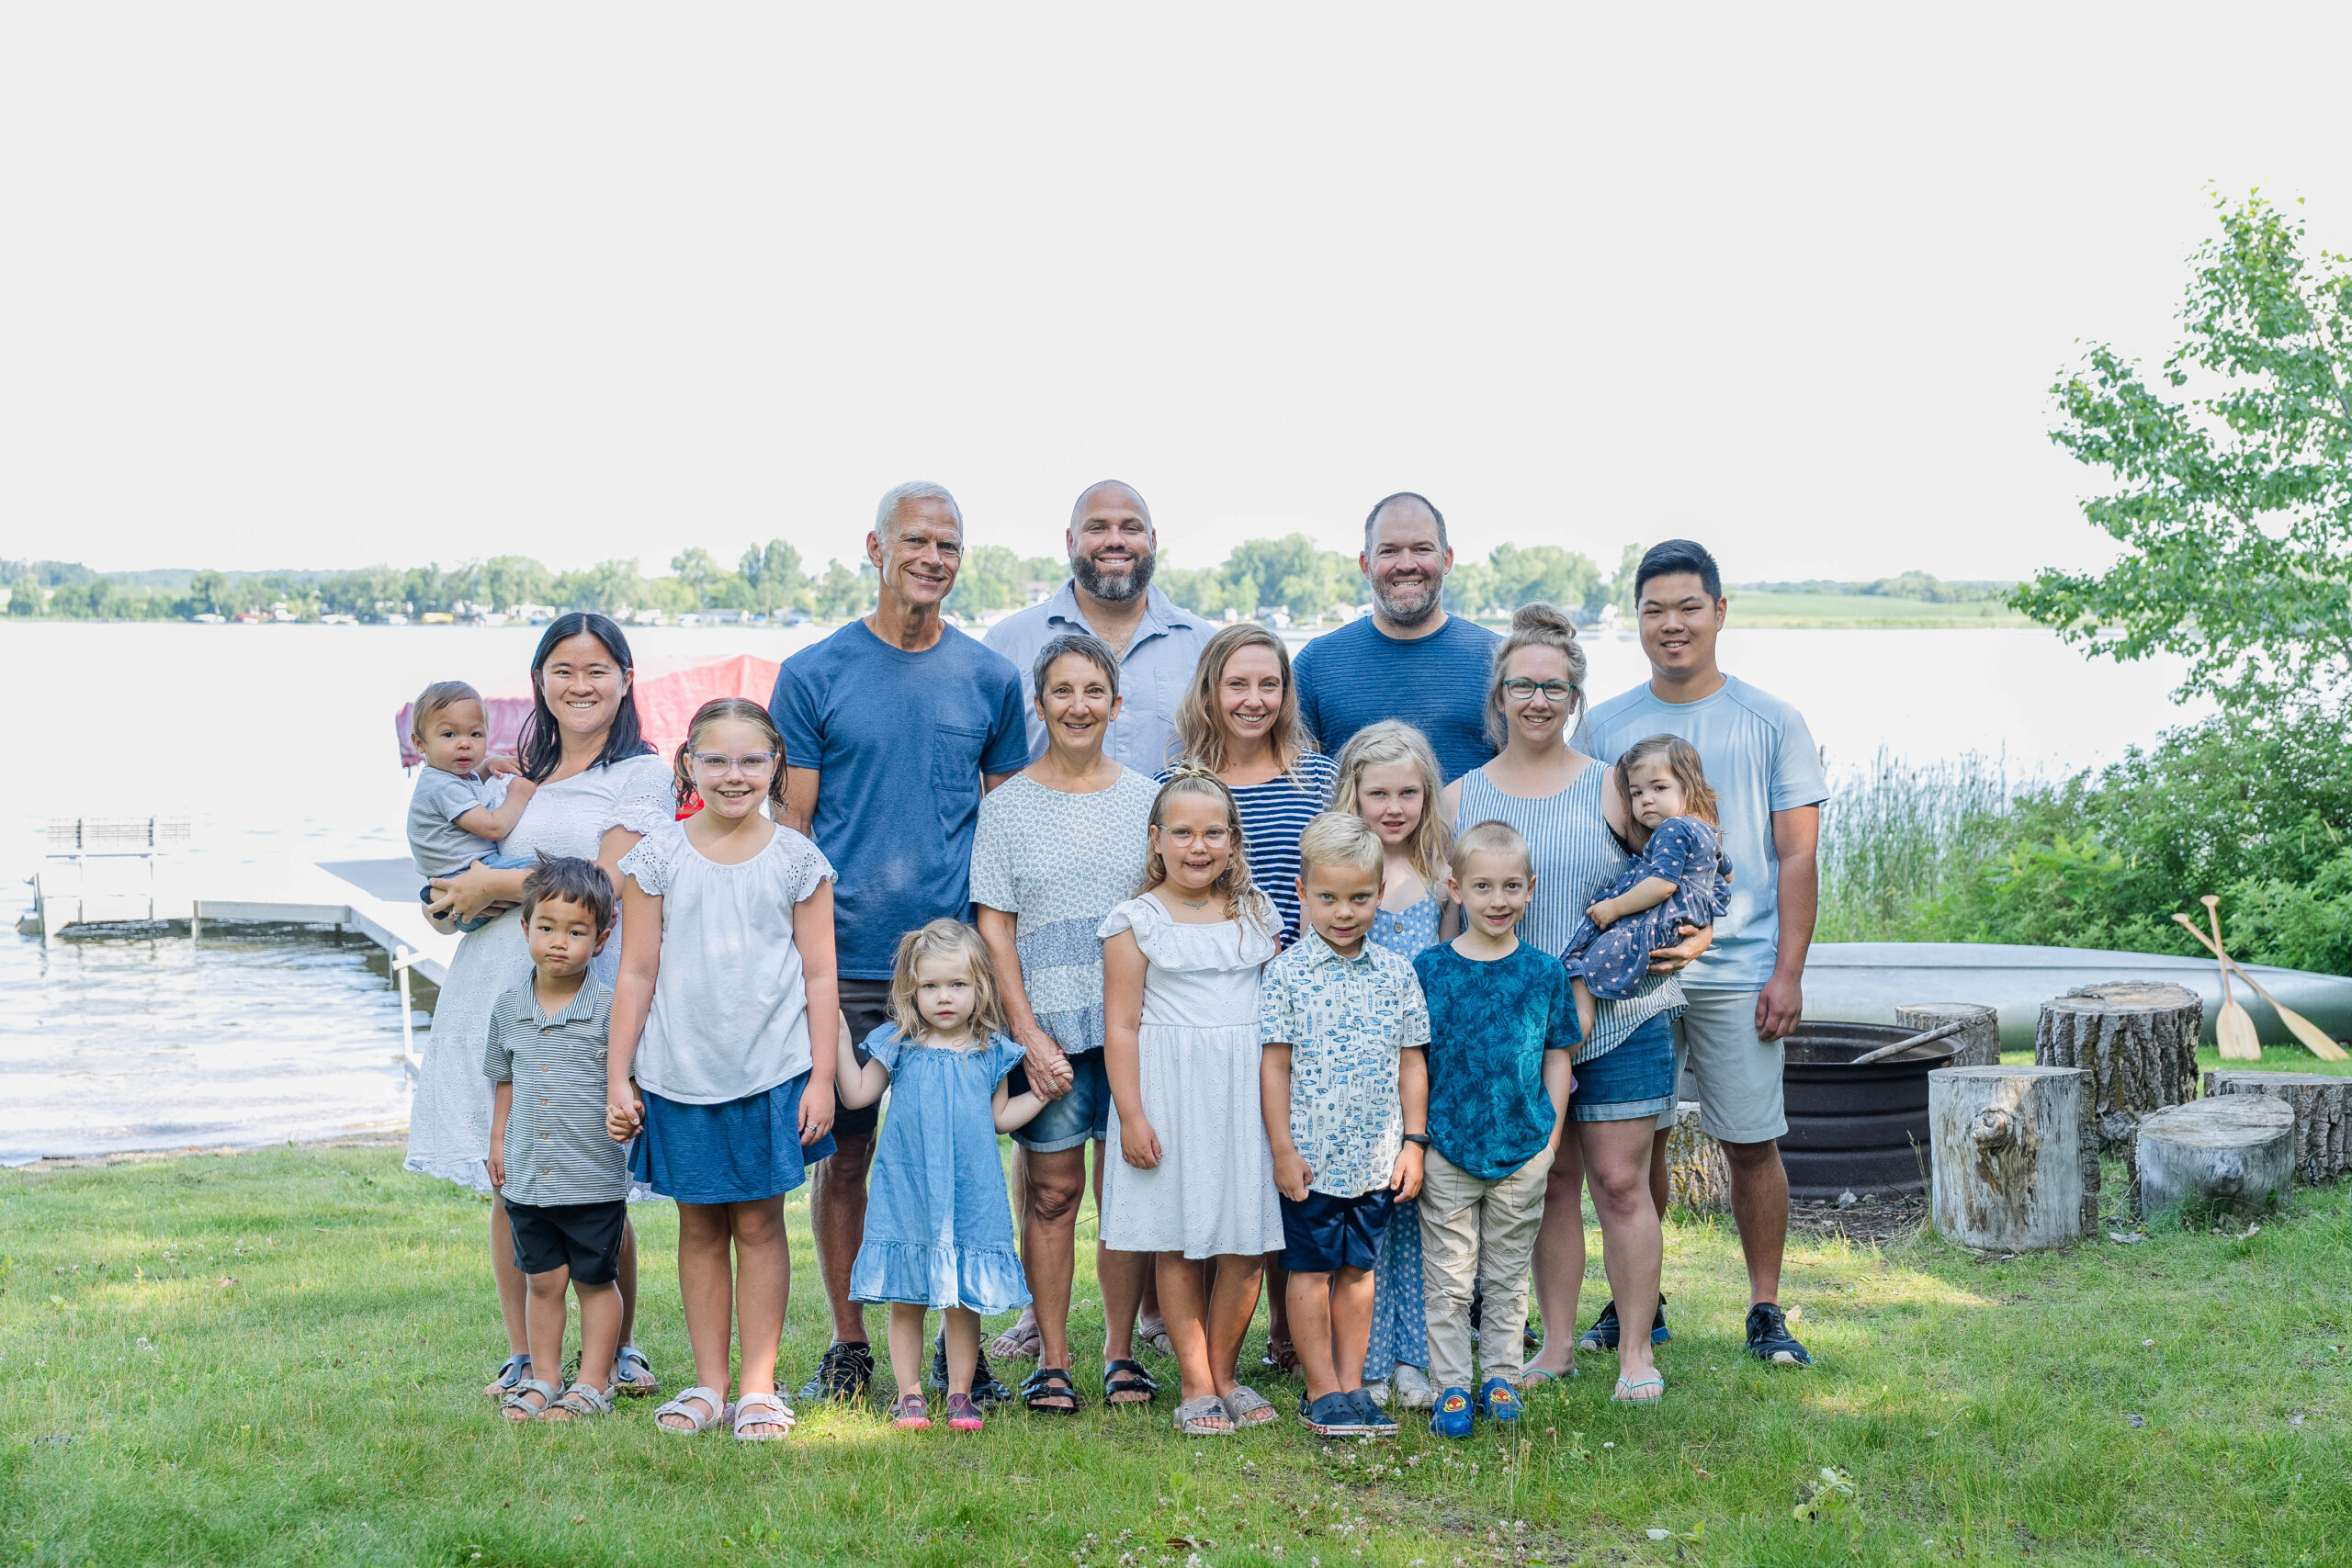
[{"x": 1735, "y": 1075}]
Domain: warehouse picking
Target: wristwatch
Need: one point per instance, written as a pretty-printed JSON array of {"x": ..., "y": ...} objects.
[{"x": 1421, "y": 1138}]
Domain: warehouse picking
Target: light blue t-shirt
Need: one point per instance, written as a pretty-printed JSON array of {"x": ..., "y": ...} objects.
[
  {"x": 901, "y": 740},
  {"x": 1760, "y": 759},
  {"x": 1154, "y": 672}
]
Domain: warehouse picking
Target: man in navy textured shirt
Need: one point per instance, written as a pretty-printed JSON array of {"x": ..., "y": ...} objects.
[{"x": 1409, "y": 659}]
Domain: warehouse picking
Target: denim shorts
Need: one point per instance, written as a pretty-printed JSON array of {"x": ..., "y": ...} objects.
[
  {"x": 1634, "y": 1080},
  {"x": 1080, "y": 1116}
]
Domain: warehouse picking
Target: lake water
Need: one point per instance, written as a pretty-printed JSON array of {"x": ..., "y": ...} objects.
[{"x": 278, "y": 742}]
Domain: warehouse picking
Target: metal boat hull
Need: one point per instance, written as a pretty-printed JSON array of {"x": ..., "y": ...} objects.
[{"x": 1864, "y": 982}]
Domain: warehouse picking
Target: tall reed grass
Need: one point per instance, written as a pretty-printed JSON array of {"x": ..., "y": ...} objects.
[{"x": 1895, "y": 834}]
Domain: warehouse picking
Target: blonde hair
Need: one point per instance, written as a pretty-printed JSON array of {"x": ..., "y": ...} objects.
[
  {"x": 944, "y": 939},
  {"x": 1429, "y": 845},
  {"x": 1340, "y": 839},
  {"x": 1534, "y": 625},
  {"x": 1242, "y": 899},
  {"x": 1493, "y": 838},
  {"x": 1199, "y": 738},
  {"x": 439, "y": 695},
  {"x": 1681, "y": 759}
]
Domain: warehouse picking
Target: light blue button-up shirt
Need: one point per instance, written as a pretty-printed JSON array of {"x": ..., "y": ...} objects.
[{"x": 1153, "y": 673}]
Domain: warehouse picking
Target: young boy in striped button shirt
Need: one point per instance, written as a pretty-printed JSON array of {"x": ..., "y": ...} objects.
[{"x": 564, "y": 1179}]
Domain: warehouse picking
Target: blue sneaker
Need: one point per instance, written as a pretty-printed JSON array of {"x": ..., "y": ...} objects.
[
  {"x": 1499, "y": 1401},
  {"x": 1451, "y": 1416}
]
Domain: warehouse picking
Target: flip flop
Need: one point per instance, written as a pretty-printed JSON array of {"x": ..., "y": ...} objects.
[
  {"x": 1625, "y": 1391},
  {"x": 1536, "y": 1377},
  {"x": 1018, "y": 1344}
]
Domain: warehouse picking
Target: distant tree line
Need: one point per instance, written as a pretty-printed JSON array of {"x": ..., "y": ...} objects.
[{"x": 1292, "y": 574}]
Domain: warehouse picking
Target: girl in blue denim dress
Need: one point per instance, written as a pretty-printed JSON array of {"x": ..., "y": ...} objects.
[
  {"x": 938, "y": 1223},
  {"x": 1388, "y": 775}
]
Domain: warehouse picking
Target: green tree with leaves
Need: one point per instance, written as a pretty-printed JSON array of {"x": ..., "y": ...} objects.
[
  {"x": 843, "y": 595},
  {"x": 775, "y": 577},
  {"x": 2230, "y": 479},
  {"x": 1621, "y": 586},
  {"x": 509, "y": 581},
  {"x": 1526, "y": 573},
  {"x": 24, "y": 596},
  {"x": 992, "y": 577}
]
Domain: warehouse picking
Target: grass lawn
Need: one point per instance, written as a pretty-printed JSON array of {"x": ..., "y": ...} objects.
[
  {"x": 1754, "y": 607},
  {"x": 274, "y": 1357}
]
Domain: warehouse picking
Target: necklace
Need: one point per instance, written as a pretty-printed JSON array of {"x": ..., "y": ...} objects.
[{"x": 1192, "y": 903}]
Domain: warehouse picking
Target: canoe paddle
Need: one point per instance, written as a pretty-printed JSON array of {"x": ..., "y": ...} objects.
[
  {"x": 2234, "y": 1027},
  {"x": 2314, "y": 1037},
  {"x": 1938, "y": 1033}
]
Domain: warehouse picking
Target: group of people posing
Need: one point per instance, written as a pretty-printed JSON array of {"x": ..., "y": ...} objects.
[{"x": 1353, "y": 971}]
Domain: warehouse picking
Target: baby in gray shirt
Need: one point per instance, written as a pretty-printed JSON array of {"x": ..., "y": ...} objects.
[{"x": 456, "y": 818}]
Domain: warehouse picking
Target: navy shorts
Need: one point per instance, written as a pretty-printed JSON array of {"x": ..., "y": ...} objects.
[
  {"x": 1634, "y": 1080},
  {"x": 583, "y": 1238},
  {"x": 1081, "y": 1116},
  {"x": 1324, "y": 1233}
]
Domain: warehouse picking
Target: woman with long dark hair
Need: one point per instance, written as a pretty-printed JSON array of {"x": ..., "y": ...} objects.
[{"x": 601, "y": 789}]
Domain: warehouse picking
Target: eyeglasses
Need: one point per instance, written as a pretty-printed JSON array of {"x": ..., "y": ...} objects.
[
  {"x": 1520, "y": 690},
  {"x": 1205, "y": 835},
  {"x": 720, "y": 763}
]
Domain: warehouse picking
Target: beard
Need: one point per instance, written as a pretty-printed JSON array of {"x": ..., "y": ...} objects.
[
  {"x": 1112, "y": 589},
  {"x": 1407, "y": 610}
]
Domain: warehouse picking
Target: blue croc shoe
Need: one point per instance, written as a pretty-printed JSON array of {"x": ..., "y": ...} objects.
[
  {"x": 1499, "y": 1401},
  {"x": 1451, "y": 1416}
]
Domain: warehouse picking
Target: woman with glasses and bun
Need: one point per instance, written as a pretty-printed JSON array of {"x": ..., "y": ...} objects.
[
  {"x": 600, "y": 789},
  {"x": 1560, "y": 801}
]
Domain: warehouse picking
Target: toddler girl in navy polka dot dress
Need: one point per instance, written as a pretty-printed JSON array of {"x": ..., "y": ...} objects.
[{"x": 1680, "y": 877}]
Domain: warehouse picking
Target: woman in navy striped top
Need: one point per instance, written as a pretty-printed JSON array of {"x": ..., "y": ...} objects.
[{"x": 1239, "y": 721}]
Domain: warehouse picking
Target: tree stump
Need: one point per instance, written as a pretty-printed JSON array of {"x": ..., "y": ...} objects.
[
  {"x": 1980, "y": 1041},
  {"x": 2008, "y": 1163},
  {"x": 1698, "y": 1177},
  {"x": 2322, "y": 1108},
  {"x": 2234, "y": 1151},
  {"x": 2138, "y": 1042}
]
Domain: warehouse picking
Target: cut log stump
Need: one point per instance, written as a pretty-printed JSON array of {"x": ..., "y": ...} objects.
[
  {"x": 2008, "y": 1169},
  {"x": 2322, "y": 1108},
  {"x": 2138, "y": 1043},
  {"x": 1980, "y": 1040},
  {"x": 2234, "y": 1152},
  {"x": 1698, "y": 1177}
]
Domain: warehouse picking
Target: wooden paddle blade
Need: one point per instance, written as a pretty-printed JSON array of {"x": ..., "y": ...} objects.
[
  {"x": 2235, "y": 1031},
  {"x": 2314, "y": 1037}
]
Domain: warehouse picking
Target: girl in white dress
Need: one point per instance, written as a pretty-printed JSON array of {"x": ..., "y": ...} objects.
[
  {"x": 1194, "y": 1181},
  {"x": 600, "y": 788}
]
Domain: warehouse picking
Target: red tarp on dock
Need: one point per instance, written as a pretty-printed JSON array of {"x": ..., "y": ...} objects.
[{"x": 665, "y": 705}]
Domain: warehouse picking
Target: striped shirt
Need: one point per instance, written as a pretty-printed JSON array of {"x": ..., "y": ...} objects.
[
  {"x": 557, "y": 1149},
  {"x": 1575, "y": 856},
  {"x": 1273, "y": 814}
]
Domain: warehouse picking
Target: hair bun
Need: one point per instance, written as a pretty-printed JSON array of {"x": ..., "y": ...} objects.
[{"x": 1541, "y": 616}]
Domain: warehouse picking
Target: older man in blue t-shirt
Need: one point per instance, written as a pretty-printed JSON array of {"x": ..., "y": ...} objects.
[
  {"x": 1745, "y": 994},
  {"x": 894, "y": 726},
  {"x": 1409, "y": 659}
]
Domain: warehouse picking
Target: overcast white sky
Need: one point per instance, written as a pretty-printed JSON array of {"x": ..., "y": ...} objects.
[{"x": 316, "y": 285}]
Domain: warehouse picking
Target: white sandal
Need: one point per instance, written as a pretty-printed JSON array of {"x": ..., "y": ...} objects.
[
  {"x": 578, "y": 1402},
  {"x": 761, "y": 1410},
  {"x": 703, "y": 1421},
  {"x": 514, "y": 1400}
]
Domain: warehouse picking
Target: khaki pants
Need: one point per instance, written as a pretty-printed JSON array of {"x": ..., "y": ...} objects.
[{"x": 1481, "y": 1231}]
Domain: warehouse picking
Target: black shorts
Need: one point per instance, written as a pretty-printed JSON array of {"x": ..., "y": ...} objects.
[
  {"x": 866, "y": 1005},
  {"x": 583, "y": 1238},
  {"x": 1324, "y": 1233}
]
